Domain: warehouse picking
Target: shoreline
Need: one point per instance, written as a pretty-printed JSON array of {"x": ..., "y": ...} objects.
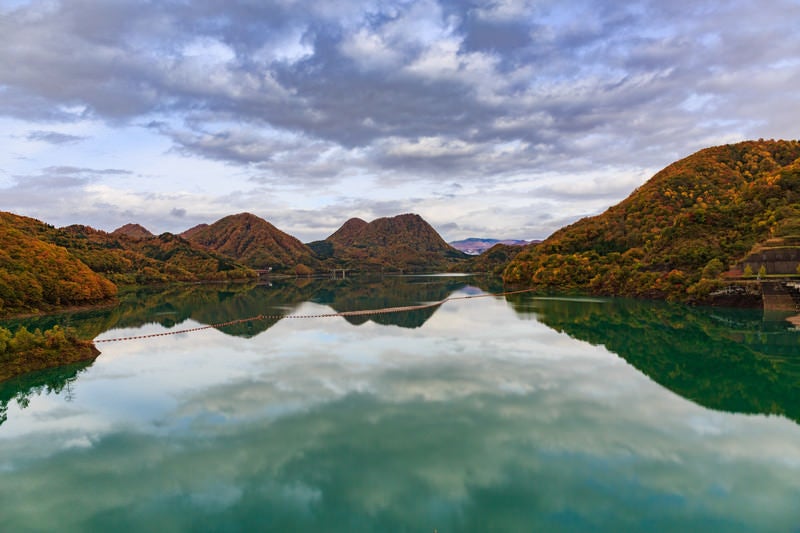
[{"x": 44, "y": 358}]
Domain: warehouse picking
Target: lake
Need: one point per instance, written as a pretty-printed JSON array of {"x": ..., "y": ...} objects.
[{"x": 499, "y": 413}]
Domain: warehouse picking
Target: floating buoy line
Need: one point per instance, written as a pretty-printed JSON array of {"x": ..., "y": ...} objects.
[{"x": 362, "y": 312}]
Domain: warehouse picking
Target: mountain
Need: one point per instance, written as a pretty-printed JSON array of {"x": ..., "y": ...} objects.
[
  {"x": 675, "y": 235},
  {"x": 346, "y": 235},
  {"x": 404, "y": 242},
  {"x": 476, "y": 246},
  {"x": 253, "y": 241},
  {"x": 44, "y": 268},
  {"x": 191, "y": 232},
  {"x": 134, "y": 231},
  {"x": 495, "y": 259},
  {"x": 40, "y": 276},
  {"x": 163, "y": 258}
]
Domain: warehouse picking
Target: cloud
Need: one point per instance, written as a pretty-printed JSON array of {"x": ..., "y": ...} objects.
[
  {"x": 50, "y": 179},
  {"x": 420, "y": 91},
  {"x": 356, "y": 424},
  {"x": 67, "y": 170},
  {"x": 54, "y": 137}
]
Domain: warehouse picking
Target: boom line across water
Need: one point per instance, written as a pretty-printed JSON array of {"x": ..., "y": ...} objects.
[{"x": 361, "y": 312}]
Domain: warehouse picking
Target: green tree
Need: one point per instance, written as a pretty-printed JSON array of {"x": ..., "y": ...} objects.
[
  {"x": 713, "y": 269},
  {"x": 5, "y": 339},
  {"x": 24, "y": 340},
  {"x": 56, "y": 337}
]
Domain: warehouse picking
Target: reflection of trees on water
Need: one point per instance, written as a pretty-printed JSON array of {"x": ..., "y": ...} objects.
[
  {"x": 217, "y": 303},
  {"x": 379, "y": 293},
  {"x": 212, "y": 304},
  {"x": 723, "y": 359},
  {"x": 54, "y": 380}
]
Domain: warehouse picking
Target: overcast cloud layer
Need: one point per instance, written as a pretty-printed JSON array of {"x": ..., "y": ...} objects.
[{"x": 498, "y": 119}]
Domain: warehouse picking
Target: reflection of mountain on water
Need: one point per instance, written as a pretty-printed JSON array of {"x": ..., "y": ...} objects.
[
  {"x": 219, "y": 303},
  {"x": 173, "y": 305},
  {"x": 53, "y": 380},
  {"x": 388, "y": 292},
  {"x": 213, "y": 304},
  {"x": 723, "y": 359}
]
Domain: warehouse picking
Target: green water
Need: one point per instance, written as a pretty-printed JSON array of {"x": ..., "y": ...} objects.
[{"x": 489, "y": 414}]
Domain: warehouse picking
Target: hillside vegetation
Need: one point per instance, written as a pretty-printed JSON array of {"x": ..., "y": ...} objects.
[
  {"x": 252, "y": 241},
  {"x": 158, "y": 259},
  {"x": 495, "y": 259},
  {"x": 43, "y": 268},
  {"x": 26, "y": 351},
  {"x": 674, "y": 236},
  {"x": 403, "y": 242},
  {"x": 40, "y": 276}
]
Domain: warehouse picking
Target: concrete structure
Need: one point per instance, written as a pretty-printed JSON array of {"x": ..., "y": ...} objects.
[{"x": 777, "y": 260}]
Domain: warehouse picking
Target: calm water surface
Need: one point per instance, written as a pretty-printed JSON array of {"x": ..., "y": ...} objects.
[{"x": 489, "y": 414}]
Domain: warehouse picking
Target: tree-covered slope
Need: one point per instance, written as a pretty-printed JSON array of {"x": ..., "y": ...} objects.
[
  {"x": 134, "y": 231},
  {"x": 403, "y": 242},
  {"x": 349, "y": 231},
  {"x": 495, "y": 259},
  {"x": 163, "y": 258},
  {"x": 40, "y": 276},
  {"x": 686, "y": 225},
  {"x": 253, "y": 241},
  {"x": 43, "y": 268}
]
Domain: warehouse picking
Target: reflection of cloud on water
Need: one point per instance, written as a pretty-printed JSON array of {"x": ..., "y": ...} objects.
[
  {"x": 382, "y": 428},
  {"x": 406, "y": 463}
]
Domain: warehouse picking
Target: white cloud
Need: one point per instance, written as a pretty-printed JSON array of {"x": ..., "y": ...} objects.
[
  {"x": 429, "y": 147},
  {"x": 291, "y": 96},
  {"x": 370, "y": 51}
]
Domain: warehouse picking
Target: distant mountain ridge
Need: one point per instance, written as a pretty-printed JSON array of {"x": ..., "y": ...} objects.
[{"x": 476, "y": 245}]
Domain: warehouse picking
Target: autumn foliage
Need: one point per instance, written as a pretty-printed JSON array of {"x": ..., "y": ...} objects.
[
  {"x": 44, "y": 268},
  {"x": 37, "y": 275},
  {"x": 700, "y": 214},
  {"x": 26, "y": 351},
  {"x": 401, "y": 243},
  {"x": 252, "y": 241}
]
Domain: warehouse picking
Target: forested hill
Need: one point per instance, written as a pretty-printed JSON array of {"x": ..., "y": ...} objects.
[
  {"x": 43, "y": 268},
  {"x": 252, "y": 241},
  {"x": 133, "y": 231},
  {"x": 403, "y": 242},
  {"x": 349, "y": 231},
  {"x": 674, "y": 235},
  {"x": 37, "y": 275}
]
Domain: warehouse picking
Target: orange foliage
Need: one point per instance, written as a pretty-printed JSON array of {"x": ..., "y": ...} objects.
[{"x": 715, "y": 204}]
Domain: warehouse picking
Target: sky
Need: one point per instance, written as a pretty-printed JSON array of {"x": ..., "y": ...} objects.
[{"x": 504, "y": 119}]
